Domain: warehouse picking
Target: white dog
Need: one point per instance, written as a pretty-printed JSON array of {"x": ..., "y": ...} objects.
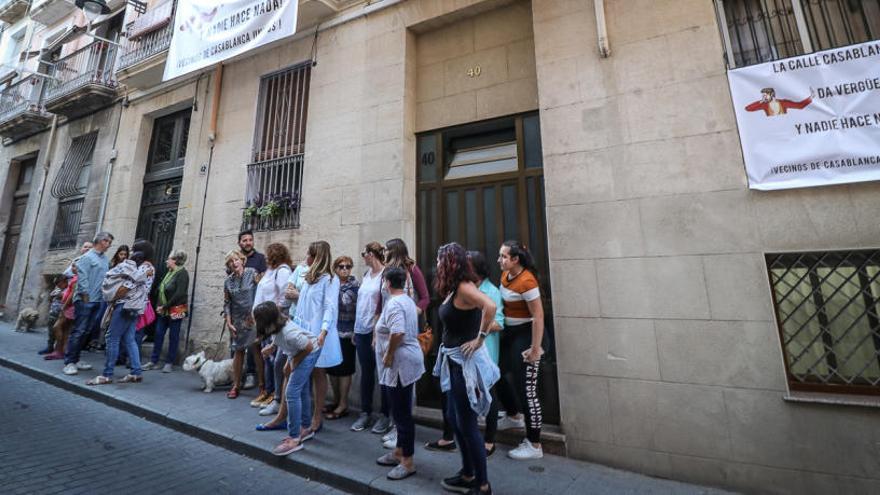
[
  {"x": 213, "y": 373},
  {"x": 27, "y": 319}
]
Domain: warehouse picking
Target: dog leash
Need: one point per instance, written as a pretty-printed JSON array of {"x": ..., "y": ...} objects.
[{"x": 219, "y": 342}]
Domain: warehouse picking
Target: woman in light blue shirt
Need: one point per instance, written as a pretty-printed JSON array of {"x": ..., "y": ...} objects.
[{"x": 316, "y": 312}]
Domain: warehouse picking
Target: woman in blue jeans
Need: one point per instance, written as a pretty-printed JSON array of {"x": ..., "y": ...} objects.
[
  {"x": 129, "y": 285},
  {"x": 170, "y": 310},
  {"x": 302, "y": 351},
  {"x": 464, "y": 366}
]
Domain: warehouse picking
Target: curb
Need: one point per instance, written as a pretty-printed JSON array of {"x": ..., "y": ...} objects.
[{"x": 288, "y": 464}]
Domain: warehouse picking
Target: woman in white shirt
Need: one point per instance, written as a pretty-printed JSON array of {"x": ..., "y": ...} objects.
[
  {"x": 271, "y": 288},
  {"x": 302, "y": 350},
  {"x": 369, "y": 295}
]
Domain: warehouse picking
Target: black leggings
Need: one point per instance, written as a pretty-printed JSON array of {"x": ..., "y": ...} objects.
[
  {"x": 518, "y": 387},
  {"x": 464, "y": 424},
  {"x": 401, "y": 402}
]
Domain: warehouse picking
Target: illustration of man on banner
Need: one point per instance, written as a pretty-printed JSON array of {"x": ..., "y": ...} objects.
[{"x": 773, "y": 107}]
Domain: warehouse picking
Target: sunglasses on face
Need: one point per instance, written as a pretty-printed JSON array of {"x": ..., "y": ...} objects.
[{"x": 343, "y": 267}]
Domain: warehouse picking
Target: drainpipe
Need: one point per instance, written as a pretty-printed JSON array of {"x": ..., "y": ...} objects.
[
  {"x": 602, "y": 29},
  {"x": 212, "y": 139},
  {"x": 46, "y": 165},
  {"x": 106, "y": 194}
]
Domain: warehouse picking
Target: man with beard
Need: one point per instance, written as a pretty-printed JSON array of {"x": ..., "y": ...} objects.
[{"x": 257, "y": 261}]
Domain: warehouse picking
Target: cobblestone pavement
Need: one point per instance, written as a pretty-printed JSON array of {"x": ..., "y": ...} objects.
[{"x": 52, "y": 441}]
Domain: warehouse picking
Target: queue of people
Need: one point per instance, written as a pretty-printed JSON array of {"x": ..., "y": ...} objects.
[{"x": 299, "y": 327}]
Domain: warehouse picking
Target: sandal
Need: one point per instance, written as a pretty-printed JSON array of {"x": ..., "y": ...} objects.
[
  {"x": 438, "y": 447},
  {"x": 336, "y": 415},
  {"x": 329, "y": 408},
  {"x": 232, "y": 394},
  {"x": 131, "y": 379},
  {"x": 100, "y": 380}
]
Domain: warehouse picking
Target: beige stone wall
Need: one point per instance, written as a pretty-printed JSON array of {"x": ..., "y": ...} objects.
[
  {"x": 476, "y": 68},
  {"x": 669, "y": 357}
]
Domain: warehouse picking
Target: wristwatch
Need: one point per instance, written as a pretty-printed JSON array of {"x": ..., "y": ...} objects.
[{"x": 484, "y": 335}]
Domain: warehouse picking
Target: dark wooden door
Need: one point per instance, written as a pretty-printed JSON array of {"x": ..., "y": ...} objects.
[
  {"x": 162, "y": 181},
  {"x": 13, "y": 231},
  {"x": 480, "y": 185}
]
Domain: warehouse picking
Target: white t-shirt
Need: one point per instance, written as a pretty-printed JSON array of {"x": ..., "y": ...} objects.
[
  {"x": 292, "y": 340},
  {"x": 271, "y": 287},
  {"x": 367, "y": 301}
]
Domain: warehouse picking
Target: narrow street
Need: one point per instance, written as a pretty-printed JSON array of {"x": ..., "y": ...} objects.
[{"x": 52, "y": 441}]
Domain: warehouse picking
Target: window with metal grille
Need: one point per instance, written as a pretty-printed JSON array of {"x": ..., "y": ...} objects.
[
  {"x": 69, "y": 188},
  {"x": 274, "y": 177},
  {"x": 828, "y": 314},
  {"x": 763, "y": 30}
]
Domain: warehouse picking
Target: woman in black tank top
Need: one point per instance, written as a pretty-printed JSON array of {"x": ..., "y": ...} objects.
[
  {"x": 466, "y": 315},
  {"x": 459, "y": 325}
]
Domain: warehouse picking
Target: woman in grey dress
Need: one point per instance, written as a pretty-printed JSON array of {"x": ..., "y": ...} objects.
[{"x": 238, "y": 291}]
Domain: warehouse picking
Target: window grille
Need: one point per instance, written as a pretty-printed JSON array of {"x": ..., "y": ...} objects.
[
  {"x": 274, "y": 177},
  {"x": 70, "y": 187},
  {"x": 763, "y": 30},
  {"x": 66, "y": 231},
  {"x": 828, "y": 314}
]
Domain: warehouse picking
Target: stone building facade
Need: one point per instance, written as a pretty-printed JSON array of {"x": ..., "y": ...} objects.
[{"x": 469, "y": 120}]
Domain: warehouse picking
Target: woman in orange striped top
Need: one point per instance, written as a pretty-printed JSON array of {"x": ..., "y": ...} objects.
[{"x": 521, "y": 349}]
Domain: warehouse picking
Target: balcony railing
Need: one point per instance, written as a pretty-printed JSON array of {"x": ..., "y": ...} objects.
[
  {"x": 24, "y": 96},
  {"x": 90, "y": 65},
  {"x": 273, "y": 194},
  {"x": 144, "y": 47}
]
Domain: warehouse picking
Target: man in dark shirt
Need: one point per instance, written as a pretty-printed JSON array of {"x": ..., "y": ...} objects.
[{"x": 257, "y": 261}]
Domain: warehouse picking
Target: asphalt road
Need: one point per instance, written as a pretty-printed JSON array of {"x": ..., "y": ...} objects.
[{"x": 52, "y": 441}]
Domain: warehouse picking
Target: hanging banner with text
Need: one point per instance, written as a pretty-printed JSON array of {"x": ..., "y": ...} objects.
[
  {"x": 812, "y": 120},
  {"x": 207, "y": 31}
]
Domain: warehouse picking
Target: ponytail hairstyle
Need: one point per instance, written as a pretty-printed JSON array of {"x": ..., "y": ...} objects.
[
  {"x": 322, "y": 261},
  {"x": 452, "y": 269},
  {"x": 268, "y": 319},
  {"x": 521, "y": 252}
]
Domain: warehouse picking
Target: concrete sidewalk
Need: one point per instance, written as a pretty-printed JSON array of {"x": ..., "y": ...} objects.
[{"x": 337, "y": 456}]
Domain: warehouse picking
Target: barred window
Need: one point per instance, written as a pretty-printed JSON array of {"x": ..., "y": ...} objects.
[
  {"x": 828, "y": 314},
  {"x": 69, "y": 188},
  {"x": 763, "y": 30},
  {"x": 274, "y": 177}
]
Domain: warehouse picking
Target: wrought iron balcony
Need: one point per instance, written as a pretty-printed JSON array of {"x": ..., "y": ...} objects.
[
  {"x": 142, "y": 59},
  {"x": 83, "y": 81},
  {"x": 13, "y": 10},
  {"x": 144, "y": 47},
  {"x": 273, "y": 194},
  {"x": 21, "y": 108}
]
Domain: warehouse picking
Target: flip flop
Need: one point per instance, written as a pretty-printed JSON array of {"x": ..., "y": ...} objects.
[
  {"x": 336, "y": 415},
  {"x": 329, "y": 408},
  {"x": 435, "y": 445}
]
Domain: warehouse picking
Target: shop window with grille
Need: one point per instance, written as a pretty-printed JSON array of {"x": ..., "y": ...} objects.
[
  {"x": 828, "y": 314},
  {"x": 70, "y": 186},
  {"x": 274, "y": 176},
  {"x": 756, "y": 31}
]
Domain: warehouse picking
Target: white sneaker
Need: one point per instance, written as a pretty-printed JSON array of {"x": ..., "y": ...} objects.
[
  {"x": 508, "y": 423},
  {"x": 526, "y": 451},
  {"x": 168, "y": 368},
  {"x": 271, "y": 409},
  {"x": 83, "y": 366},
  {"x": 390, "y": 434},
  {"x": 70, "y": 369},
  {"x": 150, "y": 366},
  {"x": 389, "y": 441},
  {"x": 249, "y": 382}
]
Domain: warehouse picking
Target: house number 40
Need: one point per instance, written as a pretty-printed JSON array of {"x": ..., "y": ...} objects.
[{"x": 474, "y": 71}]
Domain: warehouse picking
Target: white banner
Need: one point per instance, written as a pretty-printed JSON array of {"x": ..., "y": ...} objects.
[
  {"x": 210, "y": 31},
  {"x": 812, "y": 120}
]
